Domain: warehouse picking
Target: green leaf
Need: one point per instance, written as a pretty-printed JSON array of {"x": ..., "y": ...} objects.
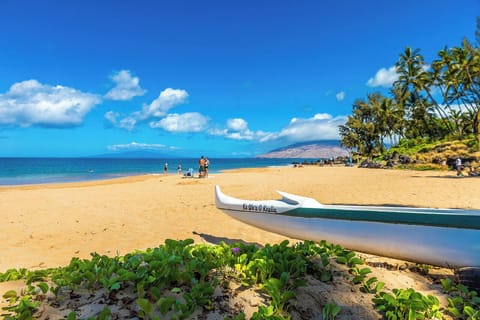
[
  {"x": 365, "y": 271},
  {"x": 145, "y": 305},
  {"x": 105, "y": 314},
  {"x": 391, "y": 315},
  {"x": 455, "y": 312},
  {"x": 342, "y": 260},
  {"x": 43, "y": 286},
  {"x": 140, "y": 290},
  {"x": 446, "y": 284},
  {"x": 176, "y": 290},
  {"x": 355, "y": 261},
  {"x": 357, "y": 279},
  {"x": 325, "y": 276},
  {"x": 72, "y": 316},
  {"x": 379, "y": 286},
  {"x": 412, "y": 315},
  {"x": 156, "y": 293},
  {"x": 469, "y": 311},
  {"x": 164, "y": 304},
  {"x": 115, "y": 286},
  {"x": 10, "y": 294}
]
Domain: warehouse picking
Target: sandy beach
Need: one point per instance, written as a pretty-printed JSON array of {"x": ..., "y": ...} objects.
[{"x": 46, "y": 225}]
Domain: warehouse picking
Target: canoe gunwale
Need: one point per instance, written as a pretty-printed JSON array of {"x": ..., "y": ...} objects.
[
  {"x": 447, "y": 221},
  {"x": 311, "y": 209}
]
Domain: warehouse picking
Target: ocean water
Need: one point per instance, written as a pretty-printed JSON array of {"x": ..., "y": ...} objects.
[{"x": 22, "y": 171}]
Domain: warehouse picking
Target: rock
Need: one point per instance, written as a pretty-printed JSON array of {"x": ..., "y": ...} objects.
[
  {"x": 390, "y": 163},
  {"x": 404, "y": 159},
  {"x": 371, "y": 165}
]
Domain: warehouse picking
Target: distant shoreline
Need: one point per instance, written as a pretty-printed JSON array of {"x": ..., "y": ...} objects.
[{"x": 33, "y": 171}]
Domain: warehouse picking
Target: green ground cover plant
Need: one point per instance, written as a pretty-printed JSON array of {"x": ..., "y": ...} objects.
[{"x": 180, "y": 280}]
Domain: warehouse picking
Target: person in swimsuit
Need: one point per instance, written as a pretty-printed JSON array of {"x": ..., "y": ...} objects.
[
  {"x": 201, "y": 167},
  {"x": 207, "y": 163}
]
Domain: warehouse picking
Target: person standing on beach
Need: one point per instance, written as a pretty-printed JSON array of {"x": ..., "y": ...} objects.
[
  {"x": 444, "y": 165},
  {"x": 458, "y": 166},
  {"x": 165, "y": 168},
  {"x": 179, "y": 168},
  {"x": 207, "y": 163},
  {"x": 201, "y": 167}
]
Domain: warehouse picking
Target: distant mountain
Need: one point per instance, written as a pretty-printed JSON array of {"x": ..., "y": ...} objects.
[{"x": 313, "y": 149}]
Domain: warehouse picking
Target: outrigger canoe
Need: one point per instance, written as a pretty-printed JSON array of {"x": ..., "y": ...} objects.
[{"x": 441, "y": 237}]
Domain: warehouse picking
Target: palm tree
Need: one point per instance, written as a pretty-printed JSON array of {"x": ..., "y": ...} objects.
[
  {"x": 413, "y": 79},
  {"x": 393, "y": 119},
  {"x": 457, "y": 77}
]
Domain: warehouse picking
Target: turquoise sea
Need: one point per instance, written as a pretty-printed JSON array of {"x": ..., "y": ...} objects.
[{"x": 21, "y": 171}]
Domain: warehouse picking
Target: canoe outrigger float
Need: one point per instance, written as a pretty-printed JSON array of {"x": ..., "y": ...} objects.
[{"x": 441, "y": 237}]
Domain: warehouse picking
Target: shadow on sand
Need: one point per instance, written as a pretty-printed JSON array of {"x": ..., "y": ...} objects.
[
  {"x": 217, "y": 240},
  {"x": 447, "y": 177}
]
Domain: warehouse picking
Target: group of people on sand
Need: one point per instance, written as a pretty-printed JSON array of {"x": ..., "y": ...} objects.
[
  {"x": 203, "y": 164},
  {"x": 459, "y": 168}
]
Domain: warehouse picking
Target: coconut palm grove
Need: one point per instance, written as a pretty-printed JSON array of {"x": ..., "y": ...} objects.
[{"x": 431, "y": 103}]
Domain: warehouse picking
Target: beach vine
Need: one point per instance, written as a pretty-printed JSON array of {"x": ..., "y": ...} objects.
[{"x": 182, "y": 280}]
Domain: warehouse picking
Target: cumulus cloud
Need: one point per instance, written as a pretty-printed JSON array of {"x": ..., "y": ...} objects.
[
  {"x": 237, "y": 129},
  {"x": 237, "y": 124},
  {"x": 158, "y": 108},
  {"x": 383, "y": 78},
  {"x": 321, "y": 126},
  {"x": 127, "y": 123},
  {"x": 167, "y": 99},
  {"x": 30, "y": 103},
  {"x": 111, "y": 116},
  {"x": 137, "y": 146},
  {"x": 186, "y": 122},
  {"x": 126, "y": 87},
  {"x": 340, "y": 96}
]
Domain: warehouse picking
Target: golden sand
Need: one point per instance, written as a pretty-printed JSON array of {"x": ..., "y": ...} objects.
[{"x": 47, "y": 225}]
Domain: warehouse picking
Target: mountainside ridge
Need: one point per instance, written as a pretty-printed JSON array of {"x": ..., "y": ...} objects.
[{"x": 312, "y": 149}]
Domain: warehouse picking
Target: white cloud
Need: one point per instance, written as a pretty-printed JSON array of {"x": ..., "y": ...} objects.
[
  {"x": 383, "y": 77},
  {"x": 159, "y": 107},
  {"x": 237, "y": 124},
  {"x": 340, "y": 96},
  {"x": 167, "y": 99},
  {"x": 111, "y": 116},
  {"x": 321, "y": 126},
  {"x": 127, "y": 123},
  {"x": 126, "y": 87},
  {"x": 186, "y": 122},
  {"x": 321, "y": 116},
  {"x": 237, "y": 129},
  {"x": 30, "y": 103},
  {"x": 137, "y": 146}
]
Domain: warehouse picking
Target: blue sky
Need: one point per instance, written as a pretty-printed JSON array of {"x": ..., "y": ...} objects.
[{"x": 219, "y": 78}]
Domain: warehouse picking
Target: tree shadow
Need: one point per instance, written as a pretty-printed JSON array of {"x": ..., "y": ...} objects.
[
  {"x": 447, "y": 177},
  {"x": 217, "y": 240}
]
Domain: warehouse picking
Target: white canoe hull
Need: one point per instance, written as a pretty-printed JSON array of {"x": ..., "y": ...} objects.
[{"x": 435, "y": 245}]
